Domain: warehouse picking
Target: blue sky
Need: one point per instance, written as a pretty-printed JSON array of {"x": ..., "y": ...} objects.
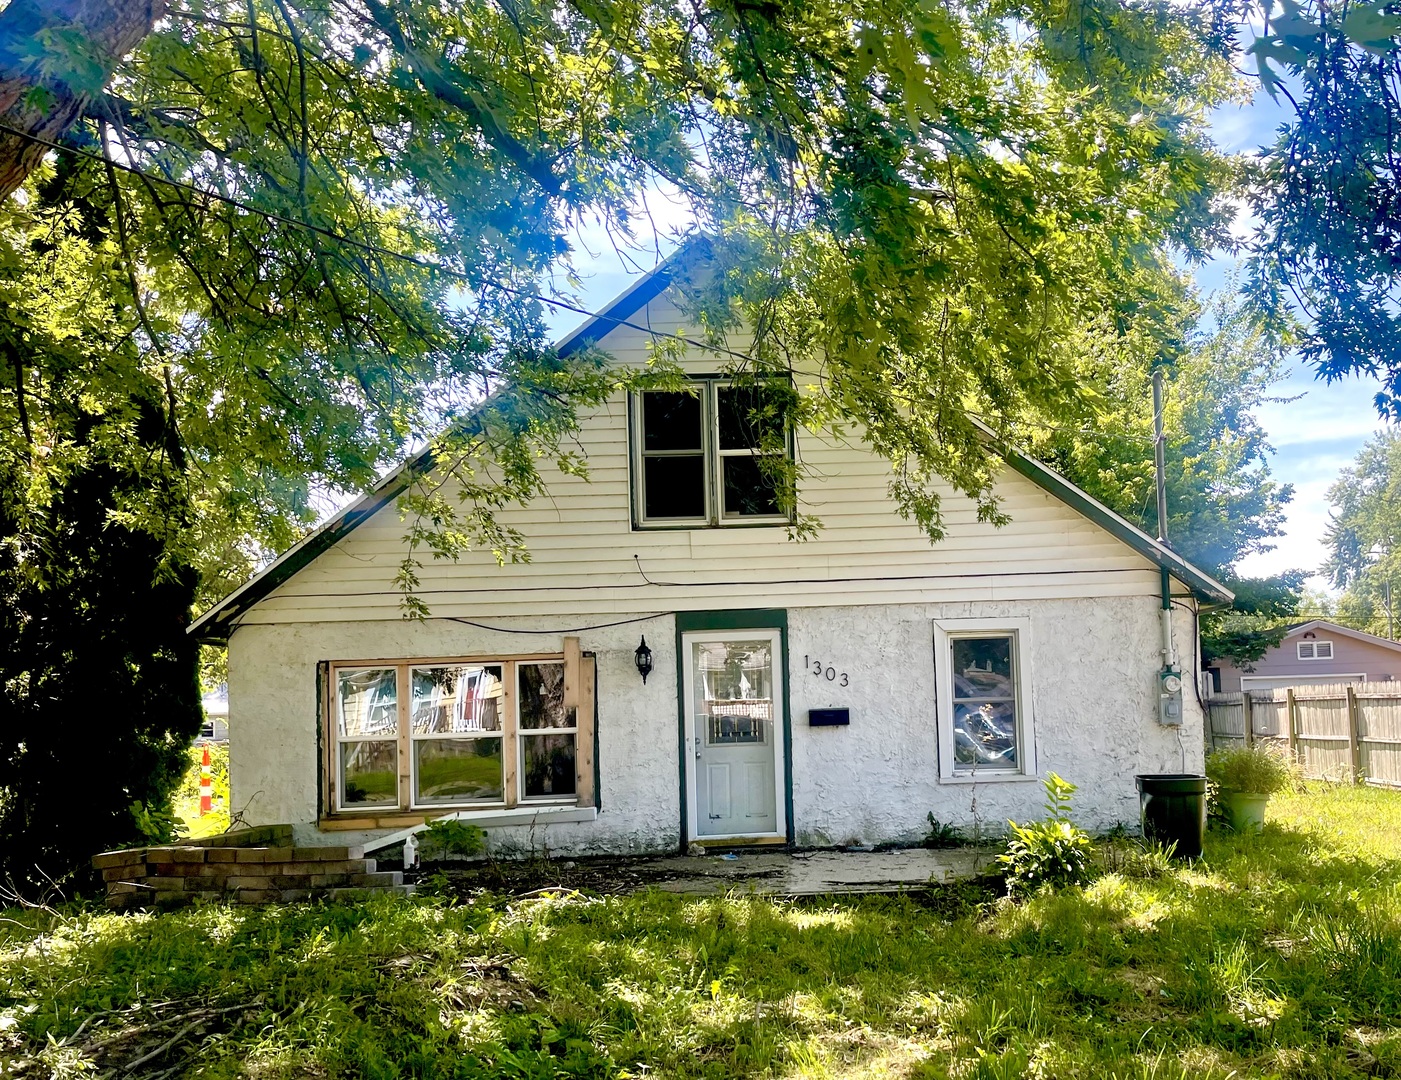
[
  {"x": 1321, "y": 431},
  {"x": 1315, "y": 430}
]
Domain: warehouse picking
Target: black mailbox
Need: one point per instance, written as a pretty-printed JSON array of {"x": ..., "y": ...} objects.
[{"x": 829, "y": 717}]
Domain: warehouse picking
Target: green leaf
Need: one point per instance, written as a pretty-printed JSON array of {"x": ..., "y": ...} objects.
[{"x": 1371, "y": 26}]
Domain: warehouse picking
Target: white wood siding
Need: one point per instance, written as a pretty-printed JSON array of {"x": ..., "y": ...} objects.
[{"x": 582, "y": 545}]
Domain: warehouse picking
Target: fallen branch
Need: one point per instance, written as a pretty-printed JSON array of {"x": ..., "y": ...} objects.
[{"x": 165, "y": 1046}]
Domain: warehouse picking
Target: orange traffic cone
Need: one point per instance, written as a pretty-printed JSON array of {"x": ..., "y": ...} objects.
[{"x": 206, "y": 785}]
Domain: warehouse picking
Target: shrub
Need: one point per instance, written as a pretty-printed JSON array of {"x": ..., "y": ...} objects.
[
  {"x": 448, "y": 836},
  {"x": 1053, "y": 851},
  {"x": 1247, "y": 769}
]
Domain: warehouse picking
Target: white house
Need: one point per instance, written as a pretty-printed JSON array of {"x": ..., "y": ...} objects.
[{"x": 830, "y": 691}]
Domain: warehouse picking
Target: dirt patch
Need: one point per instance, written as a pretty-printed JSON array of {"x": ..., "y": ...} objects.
[
  {"x": 777, "y": 873},
  {"x": 601, "y": 875}
]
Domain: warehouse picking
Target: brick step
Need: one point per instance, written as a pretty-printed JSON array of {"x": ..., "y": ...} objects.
[
  {"x": 166, "y": 876},
  {"x": 377, "y": 880}
]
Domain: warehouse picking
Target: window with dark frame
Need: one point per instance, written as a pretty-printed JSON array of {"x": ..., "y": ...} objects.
[{"x": 699, "y": 457}]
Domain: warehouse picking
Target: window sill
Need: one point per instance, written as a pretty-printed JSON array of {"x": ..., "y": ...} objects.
[
  {"x": 990, "y": 778},
  {"x": 708, "y": 526},
  {"x": 532, "y": 814}
]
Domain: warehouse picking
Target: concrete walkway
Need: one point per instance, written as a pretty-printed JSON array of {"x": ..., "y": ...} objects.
[{"x": 818, "y": 872}]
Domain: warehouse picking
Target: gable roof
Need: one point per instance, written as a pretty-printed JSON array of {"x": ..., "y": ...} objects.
[
  {"x": 1053, "y": 483},
  {"x": 1334, "y": 628},
  {"x": 215, "y": 624}
]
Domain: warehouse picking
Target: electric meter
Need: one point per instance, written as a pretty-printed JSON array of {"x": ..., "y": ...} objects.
[{"x": 1170, "y": 697}]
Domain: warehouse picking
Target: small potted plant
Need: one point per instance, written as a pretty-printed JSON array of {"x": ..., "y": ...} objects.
[{"x": 1245, "y": 777}]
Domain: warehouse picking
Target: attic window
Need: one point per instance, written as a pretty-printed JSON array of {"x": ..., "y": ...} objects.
[
  {"x": 1315, "y": 650},
  {"x": 704, "y": 456}
]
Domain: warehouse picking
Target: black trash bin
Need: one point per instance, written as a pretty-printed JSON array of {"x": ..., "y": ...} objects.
[{"x": 1172, "y": 807}]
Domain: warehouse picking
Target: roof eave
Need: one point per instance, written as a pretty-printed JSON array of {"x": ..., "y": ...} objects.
[
  {"x": 1347, "y": 631},
  {"x": 215, "y": 625},
  {"x": 1204, "y": 587}
]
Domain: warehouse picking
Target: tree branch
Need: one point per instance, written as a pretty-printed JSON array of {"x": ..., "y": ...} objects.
[
  {"x": 44, "y": 92},
  {"x": 432, "y": 79}
]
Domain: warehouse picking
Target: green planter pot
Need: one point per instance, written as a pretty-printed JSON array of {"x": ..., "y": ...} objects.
[{"x": 1245, "y": 809}]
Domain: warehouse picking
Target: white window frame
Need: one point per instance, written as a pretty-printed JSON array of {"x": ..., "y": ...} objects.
[
  {"x": 946, "y": 631},
  {"x": 708, "y": 391},
  {"x": 1313, "y": 649},
  {"x": 454, "y": 736}
]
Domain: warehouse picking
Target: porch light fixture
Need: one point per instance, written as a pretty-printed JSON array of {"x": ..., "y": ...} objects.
[{"x": 643, "y": 656}]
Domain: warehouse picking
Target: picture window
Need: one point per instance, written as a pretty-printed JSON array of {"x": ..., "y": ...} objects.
[{"x": 410, "y": 735}]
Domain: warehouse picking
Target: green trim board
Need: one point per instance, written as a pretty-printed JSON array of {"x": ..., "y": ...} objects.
[
  {"x": 651, "y": 285},
  {"x": 1203, "y": 585},
  {"x": 214, "y": 625},
  {"x": 323, "y": 706},
  {"x": 734, "y": 619},
  {"x": 597, "y": 768}
]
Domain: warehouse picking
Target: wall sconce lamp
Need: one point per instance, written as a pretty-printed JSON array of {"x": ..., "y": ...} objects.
[{"x": 643, "y": 656}]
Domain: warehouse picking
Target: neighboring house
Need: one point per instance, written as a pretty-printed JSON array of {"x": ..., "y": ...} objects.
[
  {"x": 830, "y": 691},
  {"x": 216, "y": 717},
  {"x": 1313, "y": 653}
]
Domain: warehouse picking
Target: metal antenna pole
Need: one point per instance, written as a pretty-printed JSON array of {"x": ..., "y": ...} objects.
[
  {"x": 1160, "y": 481},
  {"x": 1159, "y": 465}
]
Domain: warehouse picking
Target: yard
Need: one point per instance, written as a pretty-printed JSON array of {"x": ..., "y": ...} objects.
[{"x": 1278, "y": 955}]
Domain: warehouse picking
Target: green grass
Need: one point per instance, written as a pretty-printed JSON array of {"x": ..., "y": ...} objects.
[{"x": 1279, "y": 955}]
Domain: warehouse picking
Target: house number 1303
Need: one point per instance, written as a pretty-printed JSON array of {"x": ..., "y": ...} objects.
[{"x": 829, "y": 673}]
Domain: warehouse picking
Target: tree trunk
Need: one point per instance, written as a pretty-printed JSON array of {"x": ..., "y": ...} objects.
[{"x": 55, "y": 57}]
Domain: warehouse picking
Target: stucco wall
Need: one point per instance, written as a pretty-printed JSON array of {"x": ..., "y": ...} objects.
[
  {"x": 1093, "y": 694},
  {"x": 1350, "y": 657}
]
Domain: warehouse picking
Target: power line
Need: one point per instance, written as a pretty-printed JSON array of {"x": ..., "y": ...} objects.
[
  {"x": 769, "y": 582},
  {"x": 374, "y": 249}
]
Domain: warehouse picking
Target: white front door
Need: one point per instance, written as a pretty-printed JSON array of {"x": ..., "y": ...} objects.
[{"x": 734, "y": 733}]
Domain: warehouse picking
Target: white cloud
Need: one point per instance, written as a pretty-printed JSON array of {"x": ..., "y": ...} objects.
[{"x": 1315, "y": 437}]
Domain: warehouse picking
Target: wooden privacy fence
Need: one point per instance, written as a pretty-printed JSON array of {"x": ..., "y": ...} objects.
[{"x": 1334, "y": 731}]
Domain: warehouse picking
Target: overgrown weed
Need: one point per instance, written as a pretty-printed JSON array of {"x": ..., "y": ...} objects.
[{"x": 1279, "y": 954}]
